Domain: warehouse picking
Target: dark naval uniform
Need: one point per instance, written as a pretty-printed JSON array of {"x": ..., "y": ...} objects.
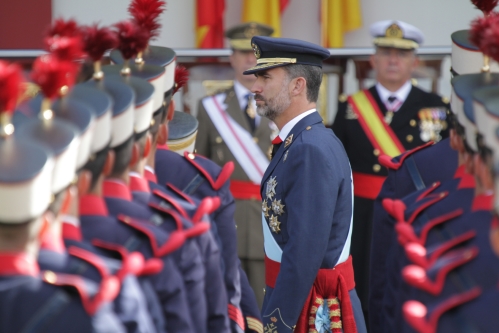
[{"x": 368, "y": 175}]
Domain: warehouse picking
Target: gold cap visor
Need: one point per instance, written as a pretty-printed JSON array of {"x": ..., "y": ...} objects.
[
  {"x": 398, "y": 43},
  {"x": 269, "y": 63}
]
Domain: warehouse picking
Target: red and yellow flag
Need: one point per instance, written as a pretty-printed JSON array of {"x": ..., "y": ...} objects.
[
  {"x": 338, "y": 17},
  {"x": 210, "y": 24},
  {"x": 266, "y": 12}
]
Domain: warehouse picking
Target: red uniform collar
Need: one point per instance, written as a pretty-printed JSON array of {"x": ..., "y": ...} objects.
[
  {"x": 138, "y": 183},
  {"x": 482, "y": 202},
  {"x": 150, "y": 175},
  {"x": 115, "y": 188},
  {"x": 18, "y": 264},
  {"x": 467, "y": 181},
  {"x": 460, "y": 171},
  {"x": 53, "y": 243},
  {"x": 163, "y": 147},
  {"x": 93, "y": 205}
]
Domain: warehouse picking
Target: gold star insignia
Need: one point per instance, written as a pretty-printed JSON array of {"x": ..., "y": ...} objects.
[
  {"x": 274, "y": 224},
  {"x": 265, "y": 208},
  {"x": 271, "y": 184},
  {"x": 277, "y": 207}
]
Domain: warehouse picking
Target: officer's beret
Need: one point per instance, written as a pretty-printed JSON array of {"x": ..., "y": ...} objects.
[
  {"x": 397, "y": 34},
  {"x": 273, "y": 52}
]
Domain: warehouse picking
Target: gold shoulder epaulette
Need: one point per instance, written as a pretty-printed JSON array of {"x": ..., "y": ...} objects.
[{"x": 445, "y": 100}]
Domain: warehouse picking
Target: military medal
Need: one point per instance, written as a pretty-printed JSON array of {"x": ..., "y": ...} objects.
[
  {"x": 432, "y": 122},
  {"x": 271, "y": 184},
  {"x": 388, "y": 117},
  {"x": 288, "y": 141},
  {"x": 277, "y": 207},
  {"x": 265, "y": 208},
  {"x": 274, "y": 224}
]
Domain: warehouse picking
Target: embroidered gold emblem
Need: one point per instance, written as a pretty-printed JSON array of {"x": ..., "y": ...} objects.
[
  {"x": 394, "y": 31},
  {"x": 270, "y": 328},
  {"x": 251, "y": 31},
  {"x": 256, "y": 50},
  {"x": 350, "y": 114},
  {"x": 388, "y": 117},
  {"x": 265, "y": 208},
  {"x": 271, "y": 185},
  {"x": 277, "y": 207},
  {"x": 285, "y": 156},
  {"x": 288, "y": 141},
  {"x": 274, "y": 224}
]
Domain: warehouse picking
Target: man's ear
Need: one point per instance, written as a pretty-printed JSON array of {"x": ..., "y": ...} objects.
[
  {"x": 84, "y": 182},
  {"x": 135, "y": 155},
  {"x": 298, "y": 86},
  {"x": 147, "y": 146},
  {"x": 108, "y": 166},
  {"x": 162, "y": 134}
]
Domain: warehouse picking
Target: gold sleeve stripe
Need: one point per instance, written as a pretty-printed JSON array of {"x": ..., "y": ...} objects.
[{"x": 254, "y": 324}]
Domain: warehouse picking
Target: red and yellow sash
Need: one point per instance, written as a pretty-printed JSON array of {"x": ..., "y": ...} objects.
[{"x": 372, "y": 121}]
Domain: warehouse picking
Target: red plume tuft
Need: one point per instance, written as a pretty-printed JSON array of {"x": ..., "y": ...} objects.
[
  {"x": 65, "y": 48},
  {"x": 52, "y": 73},
  {"x": 11, "y": 87},
  {"x": 131, "y": 38},
  {"x": 146, "y": 13},
  {"x": 181, "y": 77},
  {"x": 63, "y": 28},
  {"x": 486, "y": 6},
  {"x": 485, "y": 34},
  {"x": 96, "y": 41}
]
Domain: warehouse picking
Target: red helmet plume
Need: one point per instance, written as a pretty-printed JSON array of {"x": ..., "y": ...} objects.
[
  {"x": 486, "y": 6},
  {"x": 63, "y": 28},
  {"x": 146, "y": 13},
  {"x": 131, "y": 38},
  {"x": 96, "y": 41},
  {"x": 181, "y": 77},
  {"x": 64, "y": 40},
  {"x": 11, "y": 86},
  {"x": 52, "y": 73},
  {"x": 485, "y": 34}
]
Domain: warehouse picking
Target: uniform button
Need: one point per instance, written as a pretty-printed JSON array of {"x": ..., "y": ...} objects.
[
  {"x": 376, "y": 152},
  {"x": 308, "y": 128},
  {"x": 50, "y": 277},
  {"x": 376, "y": 167},
  {"x": 264, "y": 291},
  {"x": 255, "y": 139},
  {"x": 409, "y": 138},
  {"x": 191, "y": 156},
  {"x": 218, "y": 139},
  {"x": 413, "y": 123}
]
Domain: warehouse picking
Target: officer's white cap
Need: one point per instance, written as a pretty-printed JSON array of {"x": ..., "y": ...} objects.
[{"x": 397, "y": 34}]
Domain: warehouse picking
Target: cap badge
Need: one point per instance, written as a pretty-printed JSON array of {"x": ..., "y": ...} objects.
[
  {"x": 394, "y": 31},
  {"x": 251, "y": 31},
  {"x": 256, "y": 50}
]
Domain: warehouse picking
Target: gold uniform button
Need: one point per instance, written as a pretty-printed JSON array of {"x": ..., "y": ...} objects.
[
  {"x": 191, "y": 156},
  {"x": 413, "y": 123},
  {"x": 376, "y": 167},
  {"x": 50, "y": 277},
  {"x": 376, "y": 152},
  {"x": 255, "y": 139},
  {"x": 308, "y": 128},
  {"x": 218, "y": 139},
  {"x": 409, "y": 138}
]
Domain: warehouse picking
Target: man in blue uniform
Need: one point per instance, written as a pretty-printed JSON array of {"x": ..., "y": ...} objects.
[{"x": 307, "y": 197}]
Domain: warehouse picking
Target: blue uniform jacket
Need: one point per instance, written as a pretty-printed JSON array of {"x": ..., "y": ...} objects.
[
  {"x": 200, "y": 177},
  {"x": 311, "y": 177},
  {"x": 167, "y": 284},
  {"x": 208, "y": 262}
]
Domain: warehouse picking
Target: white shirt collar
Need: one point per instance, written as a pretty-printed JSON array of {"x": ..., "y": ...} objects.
[
  {"x": 150, "y": 169},
  {"x": 283, "y": 134},
  {"x": 401, "y": 94}
]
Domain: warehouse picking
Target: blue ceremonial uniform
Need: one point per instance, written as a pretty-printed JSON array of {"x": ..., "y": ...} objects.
[
  {"x": 149, "y": 241},
  {"x": 208, "y": 275},
  {"x": 201, "y": 178},
  {"x": 418, "y": 208},
  {"x": 310, "y": 161}
]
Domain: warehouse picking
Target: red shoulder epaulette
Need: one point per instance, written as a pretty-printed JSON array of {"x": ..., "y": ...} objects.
[
  {"x": 416, "y": 314},
  {"x": 224, "y": 175},
  {"x": 175, "y": 241},
  {"x": 388, "y": 162},
  {"x": 108, "y": 289}
]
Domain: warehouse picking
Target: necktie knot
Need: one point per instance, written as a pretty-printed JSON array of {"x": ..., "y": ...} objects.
[
  {"x": 392, "y": 99},
  {"x": 277, "y": 140}
]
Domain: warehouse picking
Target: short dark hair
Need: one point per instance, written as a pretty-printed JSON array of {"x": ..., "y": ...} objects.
[
  {"x": 123, "y": 156},
  {"x": 311, "y": 74},
  {"x": 95, "y": 165}
]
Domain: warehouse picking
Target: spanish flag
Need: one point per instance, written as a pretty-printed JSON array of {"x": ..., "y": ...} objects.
[
  {"x": 338, "y": 17},
  {"x": 266, "y": 12},
  {"x": 210, "y": 24}
]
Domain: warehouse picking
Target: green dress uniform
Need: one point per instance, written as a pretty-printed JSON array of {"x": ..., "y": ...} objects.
[{"x": 248, "y": 214}]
